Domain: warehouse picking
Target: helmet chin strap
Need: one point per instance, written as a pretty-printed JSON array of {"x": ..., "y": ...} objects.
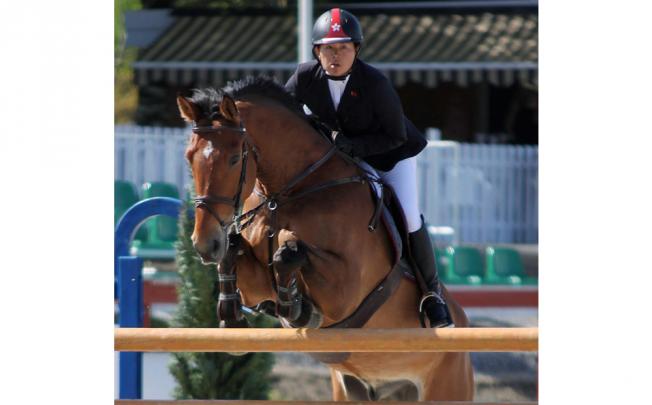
[{"x": 339, "y": 78}]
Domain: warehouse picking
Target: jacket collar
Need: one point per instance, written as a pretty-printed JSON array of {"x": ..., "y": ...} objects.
[{"x": 351, "y": 85}]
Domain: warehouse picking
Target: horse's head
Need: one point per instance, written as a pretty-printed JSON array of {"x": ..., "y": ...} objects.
[{"x": 224, "y": 172}]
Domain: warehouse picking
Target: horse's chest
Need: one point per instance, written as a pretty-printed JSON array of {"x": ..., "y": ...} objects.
[{"x": 263, "y": 236}]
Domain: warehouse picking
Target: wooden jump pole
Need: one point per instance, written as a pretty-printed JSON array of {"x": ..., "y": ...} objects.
[
  {"x": 326, "y": 340},
  {"x": 261, "y": 402}
]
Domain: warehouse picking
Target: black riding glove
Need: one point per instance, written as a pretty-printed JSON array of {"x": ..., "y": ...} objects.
[{"x": 344, "y": 144}]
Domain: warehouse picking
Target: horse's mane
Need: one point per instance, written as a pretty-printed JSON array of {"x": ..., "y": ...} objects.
[{"x": 209, "y": 99}]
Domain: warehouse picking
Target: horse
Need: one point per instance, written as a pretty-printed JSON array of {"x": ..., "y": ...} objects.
[{"x": 287, "y": 220}]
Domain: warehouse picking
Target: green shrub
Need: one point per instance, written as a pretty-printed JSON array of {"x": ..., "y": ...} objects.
[{"x": 211, "y": 375}]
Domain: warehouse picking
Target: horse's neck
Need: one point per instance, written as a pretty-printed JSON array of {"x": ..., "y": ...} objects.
[{"x": 286, "y": 145}]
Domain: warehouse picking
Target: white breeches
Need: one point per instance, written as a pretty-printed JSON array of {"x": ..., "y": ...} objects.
[{"x": 403, "y": 179}]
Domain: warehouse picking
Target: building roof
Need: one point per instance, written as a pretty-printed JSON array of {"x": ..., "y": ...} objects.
[{"x": 428, "y": 47}]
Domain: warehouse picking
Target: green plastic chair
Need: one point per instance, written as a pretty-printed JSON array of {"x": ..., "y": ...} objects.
[
  {"x": 442, "y": 264},
  {"x": 124, "y": 196},
  {"x": 465, "y": 265},
  {"x": 161, "y": 230},
  {"x": 505, "y": 266}
]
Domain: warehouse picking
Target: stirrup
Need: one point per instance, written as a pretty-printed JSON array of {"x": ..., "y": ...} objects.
[
  {"x": 438, "y": 300},
  {"x": 432, "y": 294}
]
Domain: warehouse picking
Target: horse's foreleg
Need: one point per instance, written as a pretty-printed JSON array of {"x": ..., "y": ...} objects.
[
  {"x": 292, "y": 305},
  {"x": 228, "y": 303},
  {"x": 254, "y": 280},
  {"x": 339, "y": 393},
  {"x": 450, "y": 380}
]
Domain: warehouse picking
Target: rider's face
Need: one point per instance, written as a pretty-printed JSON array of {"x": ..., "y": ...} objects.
[{"x": 336, "y": 59}]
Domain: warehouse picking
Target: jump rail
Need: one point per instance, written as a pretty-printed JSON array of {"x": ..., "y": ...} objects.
[
  {"x": 320, "y": 340},
  {"x": 261, "y": 402}
]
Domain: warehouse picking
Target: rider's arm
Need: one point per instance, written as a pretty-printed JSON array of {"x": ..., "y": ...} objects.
[{"x": 292, "y": 85}]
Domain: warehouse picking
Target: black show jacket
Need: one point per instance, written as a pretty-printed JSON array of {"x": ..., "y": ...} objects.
[{"x": 369, "y": 113}]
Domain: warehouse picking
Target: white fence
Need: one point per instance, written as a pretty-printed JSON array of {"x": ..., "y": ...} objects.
[
  {"x": 484, "y": 193},
  {"x": 469, "y": 193},
  {"x": 151, "y": 154}
]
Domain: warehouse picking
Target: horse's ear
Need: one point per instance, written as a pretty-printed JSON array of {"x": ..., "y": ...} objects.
[
  {"x": 228, "y": 109},
  {"x": 189, "y": 110}
]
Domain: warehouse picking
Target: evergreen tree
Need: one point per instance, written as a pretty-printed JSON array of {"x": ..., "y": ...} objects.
[{"x": 211, "y": 375}]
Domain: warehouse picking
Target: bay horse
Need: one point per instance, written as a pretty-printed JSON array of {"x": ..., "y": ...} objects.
[{"x": 304, "y": 240}]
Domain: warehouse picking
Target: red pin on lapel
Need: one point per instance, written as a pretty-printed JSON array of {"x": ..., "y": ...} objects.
[{"x": 354, "y": 93}]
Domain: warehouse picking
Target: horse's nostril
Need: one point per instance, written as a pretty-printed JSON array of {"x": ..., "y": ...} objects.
[{"x": 216, "y": 246}]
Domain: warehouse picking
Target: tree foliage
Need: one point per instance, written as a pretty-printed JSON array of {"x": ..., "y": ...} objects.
[
  {"x": 211, "y": 375},
  {"x": 125, "y": 91}
]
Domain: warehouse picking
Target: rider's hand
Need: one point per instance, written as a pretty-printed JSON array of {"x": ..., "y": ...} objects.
[{"x": 344, "y": 144}]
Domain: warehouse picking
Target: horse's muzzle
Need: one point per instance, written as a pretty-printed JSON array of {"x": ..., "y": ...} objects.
[
  {"x": 209, "y": 258},
  {"x": 211, "y": 251}
]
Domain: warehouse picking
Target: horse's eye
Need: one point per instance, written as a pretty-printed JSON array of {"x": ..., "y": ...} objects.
[{"x": 234, "y": 160}]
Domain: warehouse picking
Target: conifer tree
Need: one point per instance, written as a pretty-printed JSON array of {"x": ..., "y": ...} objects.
[{"x": 211, "y": 375}]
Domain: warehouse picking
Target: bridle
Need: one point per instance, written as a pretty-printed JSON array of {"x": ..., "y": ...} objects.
[{"x": 205, "y": 201}]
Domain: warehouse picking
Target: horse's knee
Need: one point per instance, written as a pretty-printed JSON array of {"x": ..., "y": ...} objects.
[{"x": 291, "y": 256}]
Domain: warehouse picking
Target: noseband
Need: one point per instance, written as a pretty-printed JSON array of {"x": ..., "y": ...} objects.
[{"x": 205, "y": 201}]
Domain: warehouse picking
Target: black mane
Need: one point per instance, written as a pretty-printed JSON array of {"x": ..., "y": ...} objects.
[{"x": 209, "y": 99}]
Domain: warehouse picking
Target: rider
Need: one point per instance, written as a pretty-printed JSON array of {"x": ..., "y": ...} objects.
[{"x": 360, "y": 103}]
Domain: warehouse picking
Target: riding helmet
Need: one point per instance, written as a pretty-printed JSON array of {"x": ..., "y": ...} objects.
[{"x": 336, "y": 25}]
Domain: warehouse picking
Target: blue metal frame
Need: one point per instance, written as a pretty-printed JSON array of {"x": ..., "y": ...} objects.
[
  {"x": 128, "y": 286},
  {"x": 131, "y": 316},
  {"x": 133, "y": 218}
]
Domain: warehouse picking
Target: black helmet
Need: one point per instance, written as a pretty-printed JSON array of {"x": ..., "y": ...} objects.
[{"x": 336, "y": 25}]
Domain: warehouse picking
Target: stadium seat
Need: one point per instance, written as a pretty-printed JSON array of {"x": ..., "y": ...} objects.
[
  {"x": 161, "y": 230},
  {"x": 464, "y": 265},
  {"x": 124, "y": 196},
  {"x": 505, "y": 266},
  {"x": 442, "y": 264}
]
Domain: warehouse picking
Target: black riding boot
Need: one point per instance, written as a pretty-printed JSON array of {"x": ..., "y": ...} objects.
[{"x": 432, "y": 302}]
